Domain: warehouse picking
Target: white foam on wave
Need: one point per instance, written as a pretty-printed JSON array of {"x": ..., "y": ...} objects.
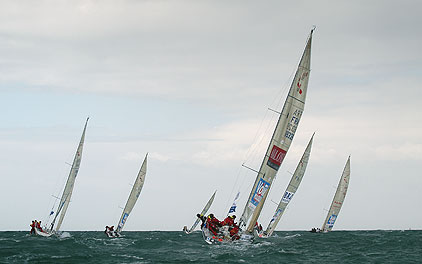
[
  {"x": 65, "y": 235},
  {"x": 292, "y": 236}
]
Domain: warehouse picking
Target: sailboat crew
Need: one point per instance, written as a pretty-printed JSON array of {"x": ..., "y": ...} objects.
[
  {"x": 233, "y": 227},
  {"x": 234, "y": 232},
  {"x": 38, "y": 225},
  {"x": 32, "y": 227},
  {"x": 229, "y": 221},
  {"x": 203, "y": 219},
  {"x": 213, "y": 224},
  {"x": 315, "y": 230},
  {"x": 109, "y": 231}
]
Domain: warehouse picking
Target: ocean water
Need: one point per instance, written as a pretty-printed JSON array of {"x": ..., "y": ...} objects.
[{"x": 177, "y": 247}]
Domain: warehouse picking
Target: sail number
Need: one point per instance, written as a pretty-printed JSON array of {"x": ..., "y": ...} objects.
[
  {"x": 287, "y": 197},
  {"x": 293, "y": 123}
]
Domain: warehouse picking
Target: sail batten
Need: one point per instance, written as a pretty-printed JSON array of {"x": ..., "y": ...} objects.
[
  {"x": 280, "y": 141},
  {"x": 133, "y": 196}
]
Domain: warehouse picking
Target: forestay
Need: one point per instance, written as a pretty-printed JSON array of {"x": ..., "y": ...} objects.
[
  {"x": 291, "y": 188},
  {"x": 280, "y": 141},
  {"x": 133, "y": 196},
  {"x": 68, "y": 189},
  {"x": 338, "y": 199}
]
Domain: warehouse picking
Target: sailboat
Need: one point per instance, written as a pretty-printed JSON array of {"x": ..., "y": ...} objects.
[
  {"x": 337, "y": 202},
  {"x": 131, "y": 201},
  {"x": 67, "y": 192},
  {"x": 203, "y": 212},
  {"x": 290, "y": 190},
  {"x": 277, "y": 149}
]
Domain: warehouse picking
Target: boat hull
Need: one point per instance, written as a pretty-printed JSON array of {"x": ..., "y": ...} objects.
[
  {"x": 43, "y": 233},
  {"x": 112, "y": 234},
  {"x": 185, "y": 229},
  {"x": 211, "y": 238},
  {"x": 223, "y": 237}
]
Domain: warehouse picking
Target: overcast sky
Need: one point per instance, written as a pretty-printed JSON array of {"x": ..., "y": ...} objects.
[{"x": 190, "y": 83}]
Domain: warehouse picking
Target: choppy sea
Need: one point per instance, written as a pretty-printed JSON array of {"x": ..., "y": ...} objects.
[{"x": 177, "y": 247}]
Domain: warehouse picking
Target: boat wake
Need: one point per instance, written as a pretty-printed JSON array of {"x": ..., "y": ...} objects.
[
  {"x": 64, "y": 235},
  {"x": 291, "y": 236}
]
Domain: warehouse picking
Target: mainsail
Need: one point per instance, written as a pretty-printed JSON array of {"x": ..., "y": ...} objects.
[
  {"x": 203, "y": 212},
  {"x": 133, "y": 196},
  {"x": 291, "y": 188},
  {"x": 68, "y": 189},
  {"x": 338, "y": 199},
  {"x": 280, "y": 141}
]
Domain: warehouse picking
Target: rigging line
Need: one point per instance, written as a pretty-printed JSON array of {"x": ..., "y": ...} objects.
[
  {"x": 278, "y": 97},
  {"x": 246, "y": 157},
  {"x": 234, "y": 186},
  {"x": 265, "y": 135},
  {"x": 58, "y": 182}
]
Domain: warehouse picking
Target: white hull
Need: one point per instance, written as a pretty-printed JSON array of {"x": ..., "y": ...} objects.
[
  {"x": 185, "y": 229},
  {"x": 211, "y": 238},
  {"x": 221, "y": 238},
  {"x": 112, "y": 234},
  {"x": 43, "y": 233}
]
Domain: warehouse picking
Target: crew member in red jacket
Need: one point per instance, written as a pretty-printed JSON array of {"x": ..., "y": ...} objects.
[
  {"x": 38, "y": 225},
  {"x": 234, "y": 232},
  {"x": 213, "y": 224},
  {"x": 32, "y": 227},
  {"x": 229, "y": 221}
]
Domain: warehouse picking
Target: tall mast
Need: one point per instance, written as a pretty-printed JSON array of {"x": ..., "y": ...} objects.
[{"x": 280, "y": 141}]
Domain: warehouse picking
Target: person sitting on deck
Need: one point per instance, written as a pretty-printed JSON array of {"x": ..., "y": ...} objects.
[{"x": 213, "y": 224}]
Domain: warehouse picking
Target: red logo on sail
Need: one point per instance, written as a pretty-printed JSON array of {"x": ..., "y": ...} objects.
[
  {"x": 276, "y": 157},
  {"x": 299, "y": 82}
]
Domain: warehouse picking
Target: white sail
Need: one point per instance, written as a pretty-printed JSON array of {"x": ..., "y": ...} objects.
[
  {"x": 291, "y": 188},
  {"x": 338, "y": 199},
  {"x": 68, "y": 189},
  {"x": 133, "y": 196},
  {"x": 234, "y": 205},
  {"x": 280, "y": 141},
  {"x": 203, "y": 212}
]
